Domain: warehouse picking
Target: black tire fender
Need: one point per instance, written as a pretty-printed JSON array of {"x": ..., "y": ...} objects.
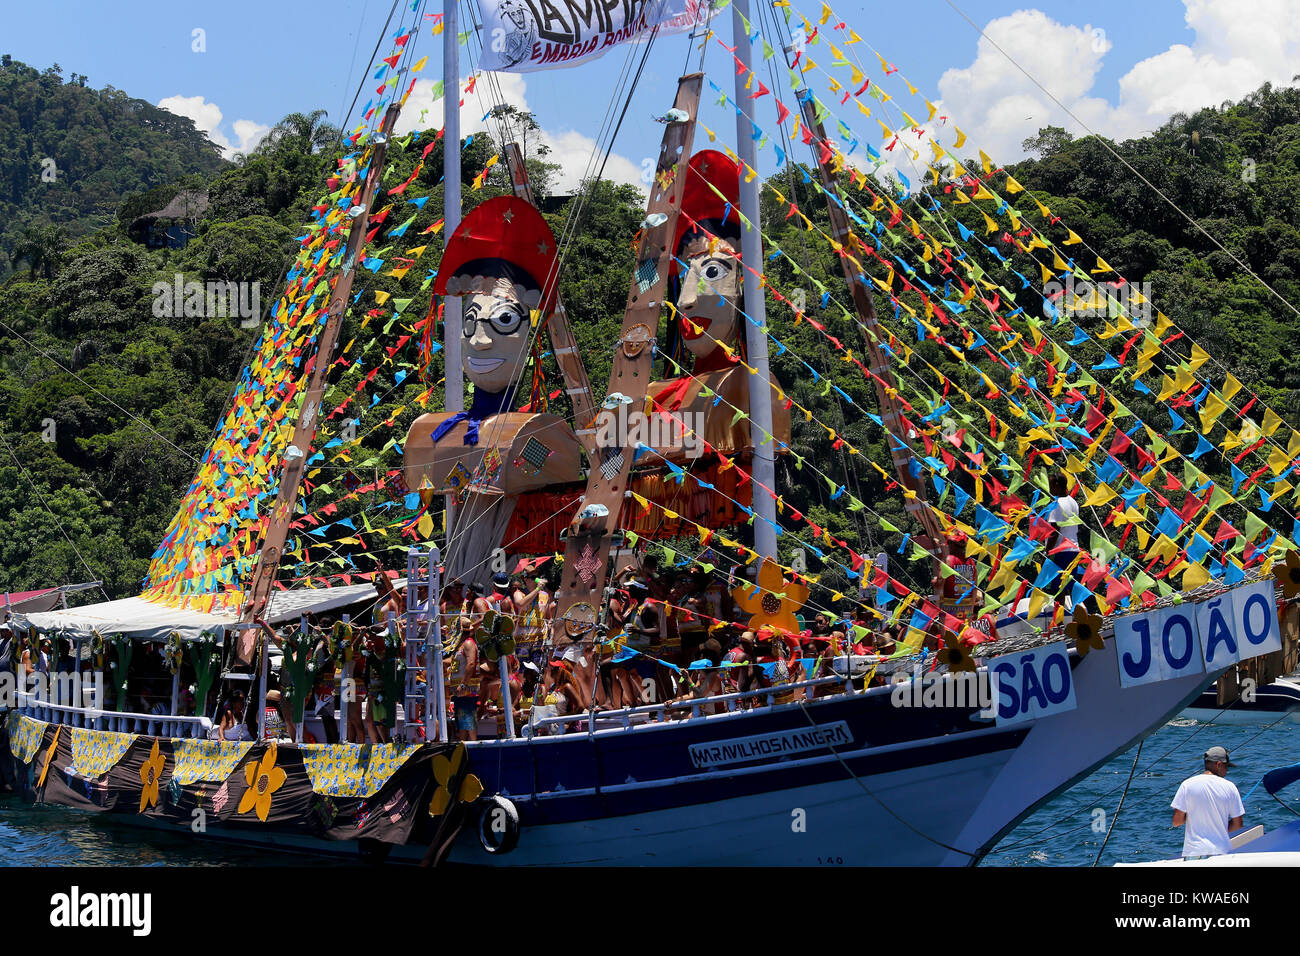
[{"x": 498, "y": 825}]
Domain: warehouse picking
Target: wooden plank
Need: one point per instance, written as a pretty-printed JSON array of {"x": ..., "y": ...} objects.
[
  {"x": 865, "y": 306},
  {"x": 586, "y": 551}
]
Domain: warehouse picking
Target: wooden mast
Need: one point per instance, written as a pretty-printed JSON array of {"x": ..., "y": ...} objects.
[
  {"x": 587, "y": 549},
  {"x": 864, "y": 304},
  {"x": 294, "y": 461},
  {"x": 564, "y": 346}
]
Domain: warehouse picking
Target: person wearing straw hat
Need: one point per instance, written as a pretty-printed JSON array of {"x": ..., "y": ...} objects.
[{"x": 1210, "y": 808}]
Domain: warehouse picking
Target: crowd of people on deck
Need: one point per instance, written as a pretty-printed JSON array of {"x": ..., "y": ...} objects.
[{"x": 670, "y": 636}]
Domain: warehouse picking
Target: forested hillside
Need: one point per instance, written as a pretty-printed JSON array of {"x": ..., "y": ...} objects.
[
  {"x": 69, "y": 154},
  {"x": 81, "y": 348}
]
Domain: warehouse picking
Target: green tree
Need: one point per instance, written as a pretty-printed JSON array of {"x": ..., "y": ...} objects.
[{"x": 40, "y": 247}]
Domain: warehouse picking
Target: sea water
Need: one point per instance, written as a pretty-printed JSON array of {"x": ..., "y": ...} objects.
[
  {"x": 1066, "y": 831},
  {"x": 1069, "y": 830}
]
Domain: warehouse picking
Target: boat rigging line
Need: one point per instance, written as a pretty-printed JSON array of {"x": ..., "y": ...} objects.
[
  {"x": 803, "y": 706},
  {"x": 132, "y": 416},
  {"x": 1029, "y": 839},
  {"x": 343, "y": 120},
  {"x": 1115, "y": 816}
]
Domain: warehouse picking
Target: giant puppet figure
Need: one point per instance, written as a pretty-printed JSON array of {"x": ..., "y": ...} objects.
[
  {"x": 706, "y": 334},
  {"x": 502, "y": 260}
]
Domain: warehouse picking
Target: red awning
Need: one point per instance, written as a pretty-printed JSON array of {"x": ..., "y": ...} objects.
[{"x": 29, "y": 601}]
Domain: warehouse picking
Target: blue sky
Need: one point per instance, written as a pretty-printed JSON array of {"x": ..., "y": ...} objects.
[{"x": 265, "y": 59}]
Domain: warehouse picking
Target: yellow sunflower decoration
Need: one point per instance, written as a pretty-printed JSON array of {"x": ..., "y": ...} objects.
[
  {"x": 263, "y": 780},
  {"x": 1085, "y": 631},
  {"x": 1288, "y": 575},
  {"x": 451, "y": 772},
  {"x": 955, "y": 655},
  {"x": 150, "y": 773},
  {"x": 774, "y": 603}
]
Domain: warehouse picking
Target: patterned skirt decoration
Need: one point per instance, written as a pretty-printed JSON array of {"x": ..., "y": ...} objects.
[
  {"x": 352, "y": 770},
  {"x": 96, "y": 752},
  {"x": 211, "y": 760},
  {"x": 25, "y": 735}
]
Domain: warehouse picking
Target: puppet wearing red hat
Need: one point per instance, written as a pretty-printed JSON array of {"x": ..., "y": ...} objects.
[
  {"x": 706, "y": 336},
  {"x": 502, "y": 260}
]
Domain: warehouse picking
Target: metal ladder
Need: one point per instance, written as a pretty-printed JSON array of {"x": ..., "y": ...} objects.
[{"x": 424, "y": 635}]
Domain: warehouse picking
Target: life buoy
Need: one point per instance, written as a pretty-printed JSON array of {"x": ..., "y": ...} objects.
[{"x": 498, "y": 825}]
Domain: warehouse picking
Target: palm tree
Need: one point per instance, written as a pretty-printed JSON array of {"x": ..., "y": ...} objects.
[
  {"x": 300, "y": 131},
  {"x": 40, "y": 247},
  {"x": 1197, "y": 135}
]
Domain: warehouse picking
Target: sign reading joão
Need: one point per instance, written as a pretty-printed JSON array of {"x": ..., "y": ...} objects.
[{"x": 1190, "y": 639}]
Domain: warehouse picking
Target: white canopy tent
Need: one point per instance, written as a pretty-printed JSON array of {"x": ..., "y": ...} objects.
[{"x": 147, "y": 621}]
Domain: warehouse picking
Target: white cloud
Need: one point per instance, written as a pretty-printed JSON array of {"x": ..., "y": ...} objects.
[
  {"x": 1237, "y": 47},
  {"x": 207, "y": 118},
  {"x": 570, "y": 149}
]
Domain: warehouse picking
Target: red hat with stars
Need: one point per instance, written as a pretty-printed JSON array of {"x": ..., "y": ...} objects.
[
  {"x": 708, "y": 170},
  {"x": 507, "y": 228}
]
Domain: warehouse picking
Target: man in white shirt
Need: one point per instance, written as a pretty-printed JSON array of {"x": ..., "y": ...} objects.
[{"x": 1210, "y": 806}]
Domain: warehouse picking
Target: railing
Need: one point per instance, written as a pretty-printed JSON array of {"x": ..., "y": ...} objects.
[
  {"x": 92, "y": 718},
  {"x": 627, "y": 715}
]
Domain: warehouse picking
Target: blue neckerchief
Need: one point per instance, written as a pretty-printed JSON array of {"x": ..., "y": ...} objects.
[{"x": 484, "y": 404}]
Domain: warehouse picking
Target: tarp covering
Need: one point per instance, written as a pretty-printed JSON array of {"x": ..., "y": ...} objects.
[
  {"x": 135, "y": 617},
  {"x": 24, "y": 602},
  {"x": 147, "y": 621}
]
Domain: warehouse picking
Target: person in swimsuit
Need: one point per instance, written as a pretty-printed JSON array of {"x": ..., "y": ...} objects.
[
  {"x": 639, "y": 623},
  {"x": 559, "y": 696},
  {"x": 465, "y": 683},
  {"x": 531, "y": 606},
  {"x": 232, "y": 726}
]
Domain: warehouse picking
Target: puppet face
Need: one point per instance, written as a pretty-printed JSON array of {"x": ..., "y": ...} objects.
[
  {"x": 496, "y": 329},
  {"x": 709, "y": 297}
]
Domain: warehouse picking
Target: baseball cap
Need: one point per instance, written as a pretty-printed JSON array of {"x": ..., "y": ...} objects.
[{"x": 1218, "y": 755}]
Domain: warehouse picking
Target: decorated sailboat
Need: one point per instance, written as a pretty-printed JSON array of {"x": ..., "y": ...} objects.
[{"x": 821, "y": 742}]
